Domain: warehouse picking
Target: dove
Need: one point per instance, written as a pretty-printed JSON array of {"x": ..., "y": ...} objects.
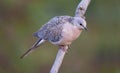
[{"x": 60, "y": 31}]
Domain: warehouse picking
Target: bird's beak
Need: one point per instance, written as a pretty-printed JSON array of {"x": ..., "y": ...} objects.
[{"x": 85, "y": 28}]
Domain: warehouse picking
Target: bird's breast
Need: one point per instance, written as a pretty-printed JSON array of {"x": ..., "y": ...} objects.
[{"x": 69, "y": 34}]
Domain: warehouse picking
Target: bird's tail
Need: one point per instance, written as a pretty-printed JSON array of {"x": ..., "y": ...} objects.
[{"x": 40, "y": 41}]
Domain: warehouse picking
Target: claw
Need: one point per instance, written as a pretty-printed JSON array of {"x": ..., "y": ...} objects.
[
  {"x": 64, "y": 48},
  {"x": 69, "y": 46}
]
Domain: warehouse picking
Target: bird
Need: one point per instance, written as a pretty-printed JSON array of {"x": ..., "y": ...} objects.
[{"x": 60, "y": 31}]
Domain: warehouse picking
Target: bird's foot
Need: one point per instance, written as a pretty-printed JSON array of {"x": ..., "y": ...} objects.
[
  {"x": 69, "y": 46},
  {"x": 64, "y": 48}
]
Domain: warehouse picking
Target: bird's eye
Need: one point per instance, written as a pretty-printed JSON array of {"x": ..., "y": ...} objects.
[{"x": 80, "y": 24}]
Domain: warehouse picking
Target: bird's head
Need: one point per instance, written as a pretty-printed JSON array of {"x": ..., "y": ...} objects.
[{"x": 80, "y": 23}]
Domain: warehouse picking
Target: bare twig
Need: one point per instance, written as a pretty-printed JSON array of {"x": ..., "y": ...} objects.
[
  {"x": 81, "y": 8},
  {"x": 58, "y": 61}
]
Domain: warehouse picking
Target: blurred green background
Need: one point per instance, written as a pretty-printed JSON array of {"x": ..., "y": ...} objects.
[{"x": 96, "y": 51}]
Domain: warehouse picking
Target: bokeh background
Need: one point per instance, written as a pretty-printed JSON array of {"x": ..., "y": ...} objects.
[{"x": 96, "y": 51}]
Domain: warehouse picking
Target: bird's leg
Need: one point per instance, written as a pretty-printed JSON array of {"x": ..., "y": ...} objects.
[
  {"x": 69, "y": 46},
  {"x": 63, "y": 47}
]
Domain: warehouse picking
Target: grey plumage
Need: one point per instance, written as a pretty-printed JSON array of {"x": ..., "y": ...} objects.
[{"x": 51, "y": 31}]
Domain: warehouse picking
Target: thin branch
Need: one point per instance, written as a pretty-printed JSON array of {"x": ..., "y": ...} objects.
[
  {"x": 58, "y": 61},
  {"x": 80, "y": 11},
  {"x": 81, "y": 8}
]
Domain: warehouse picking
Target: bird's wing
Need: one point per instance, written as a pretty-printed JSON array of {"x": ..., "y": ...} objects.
[{"x": 52, "y": 30}]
